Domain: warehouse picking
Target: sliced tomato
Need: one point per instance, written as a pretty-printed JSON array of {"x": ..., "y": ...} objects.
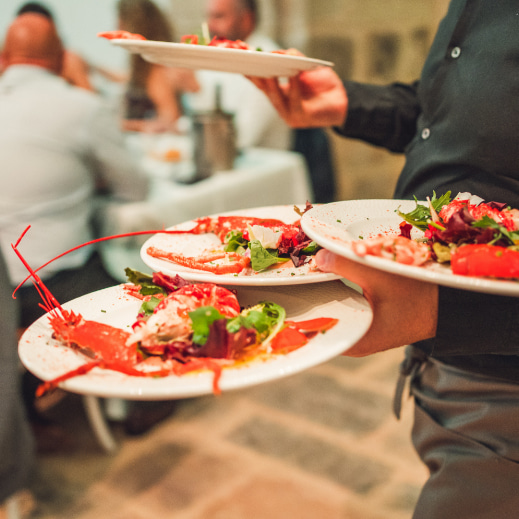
[
  {"x": 485, "y": 261},
  {"x": 287, "y": 340},
  {"x": 321, "y": 324},
  {"x": 189, "y": 38}
]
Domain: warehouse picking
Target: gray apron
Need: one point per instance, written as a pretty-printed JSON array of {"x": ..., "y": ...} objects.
[{"x": 466, "y": 431}]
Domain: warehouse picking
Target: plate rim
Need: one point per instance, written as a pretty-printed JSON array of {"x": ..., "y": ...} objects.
[
  {"x": 447, "y": 278},
  {"x": 302, "y": 63},
  {"x": 256, "y": 280},
  {"x": 198, "y": 384},
  {"x": 123, "y": 42}
]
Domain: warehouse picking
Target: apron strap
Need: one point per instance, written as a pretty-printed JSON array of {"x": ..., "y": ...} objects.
[{"x": 414, "y": 358}]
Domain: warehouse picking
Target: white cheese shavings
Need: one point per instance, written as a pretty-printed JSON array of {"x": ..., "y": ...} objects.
[
  {"x": 268, "y": 238},
  {"x": 473, "y": 199}
]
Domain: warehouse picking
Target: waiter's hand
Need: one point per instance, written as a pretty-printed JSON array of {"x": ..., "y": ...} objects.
[
  {"x": 405, "y": 310},
  {"x": 315, "y": 98}
]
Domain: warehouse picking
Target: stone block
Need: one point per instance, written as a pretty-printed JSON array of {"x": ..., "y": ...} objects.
[
  {"x": 274, "y": 498},
  {"x": 384, "y": 52},
  {"x": 138, "y": 474},
  {"x": 311, "y": 454},
  {"x": 325, "y": 401}
]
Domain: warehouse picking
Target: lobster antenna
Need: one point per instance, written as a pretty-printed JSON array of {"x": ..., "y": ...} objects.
[
  {"x": 32, "y": 272},
  {"x": 49, "y": 300}
]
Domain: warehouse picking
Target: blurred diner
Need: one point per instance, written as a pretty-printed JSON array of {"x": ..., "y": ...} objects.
[
  {"x": 257, "y": 123},
  {"x": 60, "y": 150},
  {"x": 153, "y": 94},
  {"x": 75, "y": 68}
]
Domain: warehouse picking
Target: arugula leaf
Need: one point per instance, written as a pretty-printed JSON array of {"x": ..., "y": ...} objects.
[
  {"x": 262, "y": 258},
  {"x": 136, "y": 277},
  {"x": 235, "y": 242},
  {"x": 276, "y": 315},
  {"x": 251, "y": 318},
  {"x": 421, "y": 215},
  {"x": 502, "y": 232},
  {"x": 265, "y": 317},
  {"x": 202, "y": 318}
]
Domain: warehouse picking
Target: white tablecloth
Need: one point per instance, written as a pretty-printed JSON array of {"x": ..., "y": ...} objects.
[{"x": 261, "y": 177}]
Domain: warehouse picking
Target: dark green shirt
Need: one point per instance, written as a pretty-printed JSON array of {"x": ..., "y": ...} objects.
[{"x": 459, "y": 129}]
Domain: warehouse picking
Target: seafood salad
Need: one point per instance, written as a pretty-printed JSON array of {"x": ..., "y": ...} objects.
[
  {"x": 475, "y": 237},
  {"x": 193, "y": 39},
  {"x": 248, "y": 245},
  {"x": 181, "y": 328}
]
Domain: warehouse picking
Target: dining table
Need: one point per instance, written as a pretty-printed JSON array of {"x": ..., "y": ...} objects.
[{"x": 259, "y": 177}]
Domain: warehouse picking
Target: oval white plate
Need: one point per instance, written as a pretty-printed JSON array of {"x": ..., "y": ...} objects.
[
  {"x": 47, "y": 359},
  {"x": 198, "y": 244},
  {"x": 334, "y": 226},
  {"x": 246, "y": 62}
]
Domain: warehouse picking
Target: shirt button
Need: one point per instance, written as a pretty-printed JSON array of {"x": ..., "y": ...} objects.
[
  {"x": 426, "y": 133},
  {"x": 455, "y": 52}
]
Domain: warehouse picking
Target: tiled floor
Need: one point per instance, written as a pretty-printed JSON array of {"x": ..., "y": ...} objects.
[{"x": 323, "y": 443}]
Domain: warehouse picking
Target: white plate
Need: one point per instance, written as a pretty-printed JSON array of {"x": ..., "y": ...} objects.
[
  {"x": 47, "y": 359},
  {"x": 334, "y": 226},
  {"x": 246, "y": 62},
  {"x": 198, "y": 244}
]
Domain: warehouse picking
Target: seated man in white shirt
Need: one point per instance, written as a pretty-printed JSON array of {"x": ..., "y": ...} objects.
[
  {"x": 60, "y": 145},
  {"x": 257, "y": 123}
]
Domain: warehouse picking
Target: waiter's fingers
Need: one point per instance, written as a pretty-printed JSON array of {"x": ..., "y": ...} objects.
[
  {"x": 277, "y": 96},
  {"x": 295, "y": 98},
  {"x": 286, "y": 97},
  {"x": 257, "y": 81}
]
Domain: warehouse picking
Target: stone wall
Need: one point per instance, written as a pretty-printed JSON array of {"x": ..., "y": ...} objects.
[{"x": 368, "y": 40}]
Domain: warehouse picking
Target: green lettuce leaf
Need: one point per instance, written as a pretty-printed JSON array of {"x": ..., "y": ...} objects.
[
  {"x": 201, "y": 319},
  {"x": 262, "y": 258},
  {"x": 148, "y": 307},
  {"x": 145, "y": 281},
  {"x": 265, "y": 317},
  {"x": 311, "y": 248}
]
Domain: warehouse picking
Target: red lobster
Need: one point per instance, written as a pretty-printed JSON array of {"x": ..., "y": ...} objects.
[
  {"x": 103, "y": 343},
  {"x": 110, "y": 347},
  {"x": 222, "y": 225}
]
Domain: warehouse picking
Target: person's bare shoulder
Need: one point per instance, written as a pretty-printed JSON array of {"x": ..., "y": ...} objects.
[{"x": 76, "y": 70}]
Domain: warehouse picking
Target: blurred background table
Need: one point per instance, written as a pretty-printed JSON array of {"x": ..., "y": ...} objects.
[{"x": 260, "y": 177}]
